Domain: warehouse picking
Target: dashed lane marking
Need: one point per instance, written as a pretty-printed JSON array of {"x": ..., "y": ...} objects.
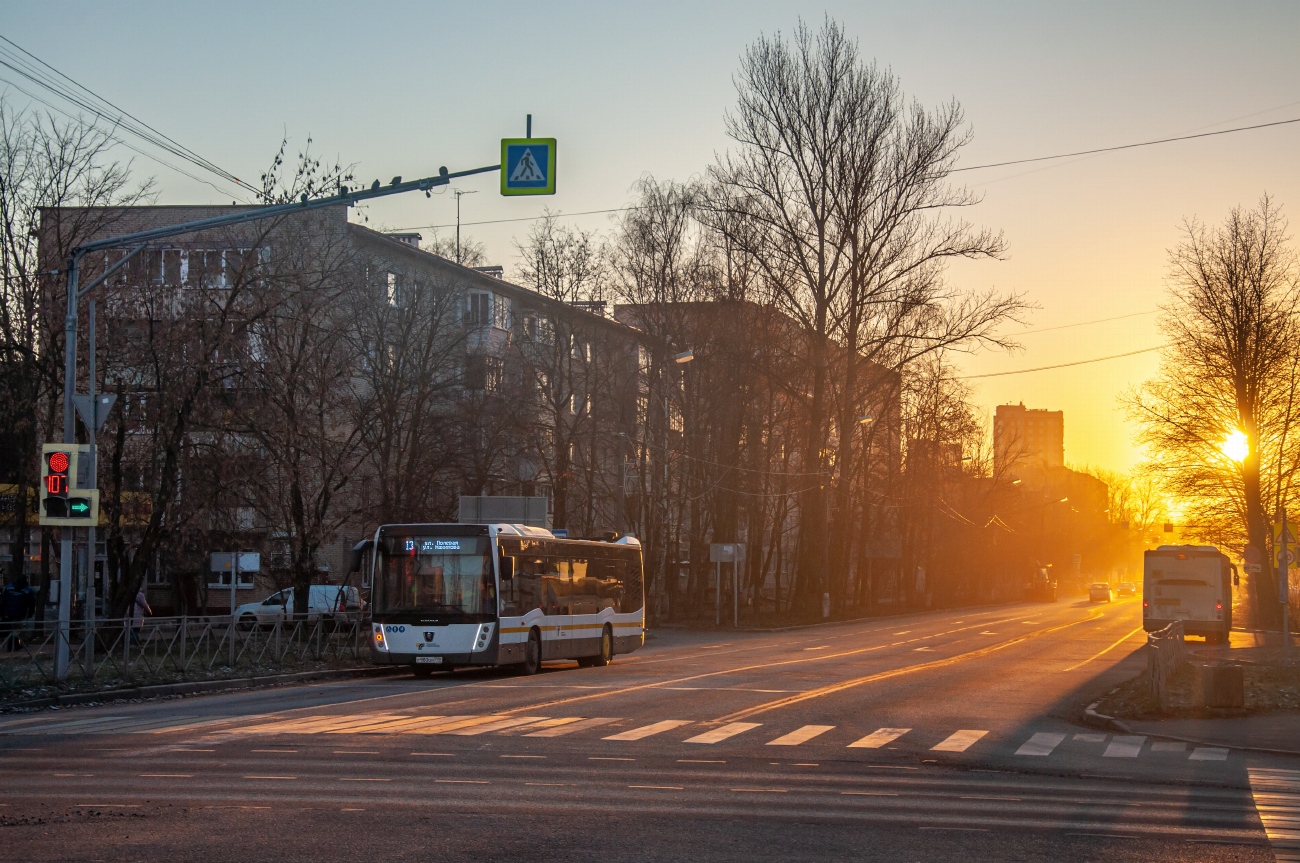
[
  {"x": 959, "y": 741},
  {"x": 894, "y": 672},
  {"x": 801, "y": 735},
  {"x": 879, "y": 738}
]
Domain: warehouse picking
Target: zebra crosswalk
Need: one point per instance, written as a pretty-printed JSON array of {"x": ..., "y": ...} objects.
[
  {"x": 616, "y": 730},
  {"x": 1277, "y": 800}
]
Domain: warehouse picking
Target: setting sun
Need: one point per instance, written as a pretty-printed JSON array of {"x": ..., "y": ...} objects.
[{"x": 1236, "y": 445}]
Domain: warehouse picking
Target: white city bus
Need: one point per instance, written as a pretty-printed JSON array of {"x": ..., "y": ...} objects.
[
  {"x": 448, "y": 595},
  {"x": 1191, "y": 583}
]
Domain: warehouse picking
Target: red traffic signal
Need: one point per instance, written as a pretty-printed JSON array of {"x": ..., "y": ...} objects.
[{"x": 56, "y": 477}]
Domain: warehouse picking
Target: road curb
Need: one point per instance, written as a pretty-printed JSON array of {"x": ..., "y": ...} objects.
[
  {"x": 195, "y": 687},
  {"x": 1100, "y": 720},
  {"x": 1094, "y": 719}
]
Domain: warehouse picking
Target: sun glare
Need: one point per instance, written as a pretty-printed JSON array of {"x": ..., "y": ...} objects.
[{"x": 1236, "y": 445}]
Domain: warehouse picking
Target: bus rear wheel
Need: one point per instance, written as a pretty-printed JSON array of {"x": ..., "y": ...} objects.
[
  {"x": 532, "y": 655},
  {"x": 606, "y": 655}
]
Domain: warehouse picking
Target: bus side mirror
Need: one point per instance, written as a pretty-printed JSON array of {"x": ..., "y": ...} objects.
[
  {"x": 507, "y": 567},
  {"x": 1236, "y": 579},
  {"x": 359, "y": 552}
]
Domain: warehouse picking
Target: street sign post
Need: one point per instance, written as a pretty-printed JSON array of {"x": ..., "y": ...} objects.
[
  {"x": 528, "y": 166},
  {"x": 734, "y": 554}
]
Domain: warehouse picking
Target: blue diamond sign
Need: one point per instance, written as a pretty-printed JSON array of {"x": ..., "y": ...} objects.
[{"x": 528, "y": 166}]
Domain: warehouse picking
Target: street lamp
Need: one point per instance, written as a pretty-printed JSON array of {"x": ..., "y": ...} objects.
[{"x": 684, "y": 357}]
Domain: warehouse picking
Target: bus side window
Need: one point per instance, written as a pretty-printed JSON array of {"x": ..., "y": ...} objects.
[{"x": 554, "y": 586}]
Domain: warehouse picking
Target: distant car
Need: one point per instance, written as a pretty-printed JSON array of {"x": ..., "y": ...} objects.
[
  {"x": 325, "y": 600},
  {"x": 1127, "y": 588},
  {"x": 1099, "y": 592}
]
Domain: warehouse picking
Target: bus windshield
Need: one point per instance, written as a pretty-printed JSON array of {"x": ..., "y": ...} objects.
[{"x": 438, "y": 576}]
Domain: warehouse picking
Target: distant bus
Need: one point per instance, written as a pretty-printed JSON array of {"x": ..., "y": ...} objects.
[
  {"x": 448, "y": 595},
  {"x": 1191, "y": 583}
]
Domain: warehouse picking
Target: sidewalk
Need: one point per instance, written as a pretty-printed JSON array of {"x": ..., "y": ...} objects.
[{"x": 1273, "y": 732}]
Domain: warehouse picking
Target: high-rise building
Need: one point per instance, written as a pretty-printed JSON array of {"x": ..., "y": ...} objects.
[{"x": 1027, "y": 438}]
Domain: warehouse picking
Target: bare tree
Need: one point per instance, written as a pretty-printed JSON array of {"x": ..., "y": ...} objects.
[
  {"x": 1229, "y": 368},
  {"x": 45, "y": 164},
  {"x": 841, "y": 189},
  {"x": 468, "y": 252}
]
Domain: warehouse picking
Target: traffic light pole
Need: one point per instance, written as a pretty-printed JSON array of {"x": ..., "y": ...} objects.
[
  {"x": 63, "y": 638},
  {"x": 140, "y": 241}
]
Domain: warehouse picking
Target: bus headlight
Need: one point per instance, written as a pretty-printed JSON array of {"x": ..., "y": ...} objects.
[
  {"x": 483, "y": 637},
  {"x": 380, "y": 643}
]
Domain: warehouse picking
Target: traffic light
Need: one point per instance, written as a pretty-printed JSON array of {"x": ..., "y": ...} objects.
[
  {"x": 56, "y": 472},
  {"x": 68, "y": 498}
]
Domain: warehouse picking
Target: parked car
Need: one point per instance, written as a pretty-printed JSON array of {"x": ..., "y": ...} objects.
[
  {"x": 1099, "y": 592},
  {"x": 1126, "y": 588},
  {"x": 325, "y": 600}
]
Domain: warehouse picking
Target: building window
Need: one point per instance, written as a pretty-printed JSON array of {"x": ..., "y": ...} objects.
[
  {"x": 484, "y": 374},
  {"x": 478, "y": 310},
  {"x": 394, "y": 290}
]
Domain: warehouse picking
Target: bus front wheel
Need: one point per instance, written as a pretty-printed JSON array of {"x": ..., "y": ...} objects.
[{"x": 532, "y": 654}]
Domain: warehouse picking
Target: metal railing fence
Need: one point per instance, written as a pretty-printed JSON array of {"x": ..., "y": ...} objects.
[
  {"x": 1166, "y": 654},
  {"x": 173, "y": 649}
]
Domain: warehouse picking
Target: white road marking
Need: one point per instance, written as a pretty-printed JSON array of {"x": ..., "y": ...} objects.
[
  {"x": 1041, "y": 744},
  {"x": 1277, "y": 800},
  {"x": 1208, "y": 753},
  {"x": 879, "y": 738},
  {"x": 650, "y": 730},
  {"x": 538, "y": 726},
  {"x": 498, "y": 725},
  {"x": 801, "y": 735},
  {"x": 959, "y": 741},
  {"x": 1124, "y": 746},
  {"x": 717, "y": 735},
  {"x": 574, "y": 726}
]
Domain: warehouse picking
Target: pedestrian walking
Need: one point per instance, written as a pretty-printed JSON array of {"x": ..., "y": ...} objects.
[
  {"x": 138, "y": 611},
  {"x": 16, "y": 604}
]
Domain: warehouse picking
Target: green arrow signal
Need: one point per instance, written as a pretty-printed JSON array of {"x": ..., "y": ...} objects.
[{"x": 80, "y": 507}]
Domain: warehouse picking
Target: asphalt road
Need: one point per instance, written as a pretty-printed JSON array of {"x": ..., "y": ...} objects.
[{"x": 911, "y": 738}]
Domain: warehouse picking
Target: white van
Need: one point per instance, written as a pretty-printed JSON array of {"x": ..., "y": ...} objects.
[
  {"x": 1191, "y": 583},
  {"x": 324, "y": 600}
]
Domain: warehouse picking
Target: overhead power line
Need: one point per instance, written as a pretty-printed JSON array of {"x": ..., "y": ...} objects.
[
  {"x": 1126, "y": 146},
  {"x": 1060, "y": 365},
  {"x": 1086, "y": 323},
  {"x": 954, "y": 171},
  {"x": 27, "y": 65}
]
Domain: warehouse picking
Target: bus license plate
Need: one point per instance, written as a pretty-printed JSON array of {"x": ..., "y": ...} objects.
[{"x": 428, "y": 660}]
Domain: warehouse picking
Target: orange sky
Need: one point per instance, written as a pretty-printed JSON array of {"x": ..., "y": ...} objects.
[{"x": 629, "y": 89}]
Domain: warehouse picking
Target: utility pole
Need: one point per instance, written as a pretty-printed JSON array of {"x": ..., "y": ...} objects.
[{"x": 458, "y": 193}]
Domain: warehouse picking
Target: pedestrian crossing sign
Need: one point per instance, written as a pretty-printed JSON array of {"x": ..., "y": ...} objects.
[{"x": 528, "y": 166}]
